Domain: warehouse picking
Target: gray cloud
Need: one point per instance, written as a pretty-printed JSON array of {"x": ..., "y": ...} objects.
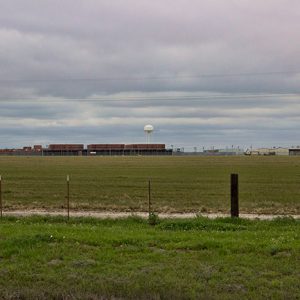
[{"x": 144, "y": 53}]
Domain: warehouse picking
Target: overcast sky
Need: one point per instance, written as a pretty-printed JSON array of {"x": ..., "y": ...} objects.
[{"x": 203, "y": 73}]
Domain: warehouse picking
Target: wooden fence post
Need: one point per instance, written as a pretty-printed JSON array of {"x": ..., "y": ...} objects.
[
  {"x": 234, "y": 195},
  {"x": 1, "y": 206}
]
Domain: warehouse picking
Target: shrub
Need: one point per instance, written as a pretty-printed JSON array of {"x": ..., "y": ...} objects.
[{"x": 153, "y": 219}]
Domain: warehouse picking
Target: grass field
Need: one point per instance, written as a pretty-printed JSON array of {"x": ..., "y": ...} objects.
[
  {"x": 180, "y": 184},
  {"x": 45, "y": 258}
]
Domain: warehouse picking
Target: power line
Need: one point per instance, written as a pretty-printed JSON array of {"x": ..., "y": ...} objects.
[
  {"x": 152, "y": 98},
  {"x": 171, "y": 77}
]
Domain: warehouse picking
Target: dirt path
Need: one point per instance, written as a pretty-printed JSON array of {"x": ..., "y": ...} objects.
[{"x": 114, "y": 215}]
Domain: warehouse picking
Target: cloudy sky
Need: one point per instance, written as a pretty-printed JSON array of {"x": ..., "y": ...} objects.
[{"x": 203, "y": 72}]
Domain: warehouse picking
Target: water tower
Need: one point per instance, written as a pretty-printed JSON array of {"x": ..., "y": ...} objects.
[{"x": 148, "y": 129}]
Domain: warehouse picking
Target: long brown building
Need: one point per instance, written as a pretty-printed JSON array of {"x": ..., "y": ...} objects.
[{"x": 90, "y": 150}]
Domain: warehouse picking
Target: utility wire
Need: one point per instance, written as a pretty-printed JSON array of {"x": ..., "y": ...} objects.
[
  {"x": 158, "y": 98},
  {"x": 171, "y": 77}
]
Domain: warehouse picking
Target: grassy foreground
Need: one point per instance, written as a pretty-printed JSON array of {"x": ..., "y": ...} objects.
[
  {"x": 176, "y": 259},
  {"x": 267, "y": 184}
]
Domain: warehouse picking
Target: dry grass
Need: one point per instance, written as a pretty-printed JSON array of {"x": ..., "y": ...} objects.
[{"x": 180, "y": 184}]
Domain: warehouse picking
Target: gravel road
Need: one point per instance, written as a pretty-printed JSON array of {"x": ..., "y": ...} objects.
[{"x": 115, "y": 215}]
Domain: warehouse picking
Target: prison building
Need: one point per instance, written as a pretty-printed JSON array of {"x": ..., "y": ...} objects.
[
  {"x": 130, "y": 149},
  {"x": 294, "y": 151},
  {"x": 105, "y": 149},
  {"x": 90, "y": 150},
  {"x": 146, "y": 149},
  {"x": 64, "y": 149}
]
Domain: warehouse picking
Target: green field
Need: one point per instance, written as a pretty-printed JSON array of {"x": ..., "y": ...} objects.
[
  {"x": 180, "y": 184},
  {"x": 43, "y": 258}
]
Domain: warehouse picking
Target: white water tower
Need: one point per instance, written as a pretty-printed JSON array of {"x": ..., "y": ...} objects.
[{"x": 148, "y": 129}]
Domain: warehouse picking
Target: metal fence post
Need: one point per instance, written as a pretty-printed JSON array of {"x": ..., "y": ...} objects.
[
  {"x": 1, "y": 206},
  {"x": 234, "y": 195},
  {"x": 68, "y": 196},
  {"x": 149, "y": 197}
]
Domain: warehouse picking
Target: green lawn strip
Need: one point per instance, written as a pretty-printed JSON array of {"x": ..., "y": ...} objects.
[{"x": 48, "y": 257}]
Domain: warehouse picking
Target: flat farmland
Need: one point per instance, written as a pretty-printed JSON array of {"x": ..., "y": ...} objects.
[{"x": 179, "y": 184}]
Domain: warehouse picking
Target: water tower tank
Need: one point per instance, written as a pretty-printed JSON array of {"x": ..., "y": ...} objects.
[{"x": 148, "y": 129}]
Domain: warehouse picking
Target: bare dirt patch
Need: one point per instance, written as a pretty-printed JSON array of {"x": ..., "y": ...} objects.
[{"x": 116, "y": 215}]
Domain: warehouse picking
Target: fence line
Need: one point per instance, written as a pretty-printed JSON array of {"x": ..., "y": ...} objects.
[{"x": 234, "y": 196}]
